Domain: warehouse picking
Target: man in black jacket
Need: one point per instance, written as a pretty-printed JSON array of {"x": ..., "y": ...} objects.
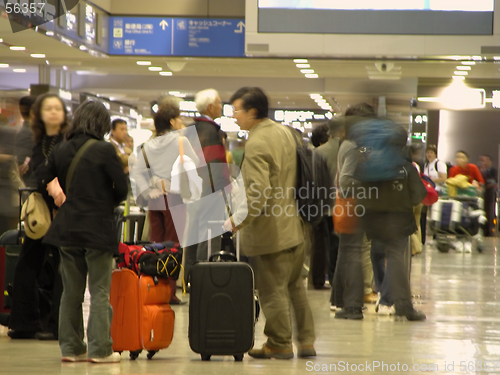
[{"x": 214, "y": 173}]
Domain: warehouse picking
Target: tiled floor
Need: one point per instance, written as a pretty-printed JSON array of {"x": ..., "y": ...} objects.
[{"x": 458, "y": 292}]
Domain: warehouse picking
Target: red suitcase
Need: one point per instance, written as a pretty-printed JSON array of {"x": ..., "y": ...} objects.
[{"x": 142, "y": 317}]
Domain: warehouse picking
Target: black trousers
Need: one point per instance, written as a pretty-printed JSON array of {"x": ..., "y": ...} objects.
[
  {"x": 37, "y": 288},
  {"x": 324, "y": 252}
]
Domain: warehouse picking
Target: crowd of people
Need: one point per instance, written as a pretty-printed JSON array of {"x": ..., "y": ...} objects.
[{"x": 366, "y": 261}]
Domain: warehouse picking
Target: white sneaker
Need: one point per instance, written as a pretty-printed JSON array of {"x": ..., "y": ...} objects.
[
  {"x": 113, "y": 358},
  {"x": 75, "y": 358},
  {"x": 386, "y": 310},
  {"x": 468, "y": 247},
  {"x": 333, "y": 308},
  {"x": 459, "y": 246}
]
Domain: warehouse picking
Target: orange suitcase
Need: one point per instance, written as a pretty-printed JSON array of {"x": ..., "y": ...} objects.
[{"x": 142, "y": 317}]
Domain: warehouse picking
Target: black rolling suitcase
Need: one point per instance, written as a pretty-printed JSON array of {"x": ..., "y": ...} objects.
[{"x": 221, "y": 306}]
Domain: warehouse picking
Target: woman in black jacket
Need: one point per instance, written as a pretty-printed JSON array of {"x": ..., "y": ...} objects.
[
  {"x": 49, "y": 122},
  {"x": 84, "y": 231}
]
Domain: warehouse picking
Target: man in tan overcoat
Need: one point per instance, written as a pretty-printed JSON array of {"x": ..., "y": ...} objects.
[{"x": 271, "y": 233}]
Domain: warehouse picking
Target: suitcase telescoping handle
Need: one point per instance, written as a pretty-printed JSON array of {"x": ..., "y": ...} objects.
[{"x": 222, "y": 253}]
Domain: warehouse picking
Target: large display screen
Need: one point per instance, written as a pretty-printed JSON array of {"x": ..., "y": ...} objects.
[
  {"x": 445, "y": 5},
  {"x": 414, "y": 17}
]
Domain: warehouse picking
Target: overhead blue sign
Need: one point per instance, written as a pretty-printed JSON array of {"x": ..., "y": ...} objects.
[{"x": 156, "y": 36}]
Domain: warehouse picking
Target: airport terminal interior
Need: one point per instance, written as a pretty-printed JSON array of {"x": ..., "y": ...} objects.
[{"x": 430, "y": 66}]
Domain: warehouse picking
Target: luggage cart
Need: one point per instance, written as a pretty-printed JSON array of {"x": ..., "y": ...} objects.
[{"x": 458, "y": 218}]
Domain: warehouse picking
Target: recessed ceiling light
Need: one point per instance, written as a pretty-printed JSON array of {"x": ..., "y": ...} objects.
[
  {"x": 459, "y": 77},
  {"x": 155, "y": 68},
  {"x": 19, "y": 70},
  {"x": 65, "y": 67},
  {"x": 303, "y": 66},
  {"x": 468, "y": 63},
  {"x": 1, "y": 40},
  {"x": 460, "y": 73},
  {"x": 463, "y": 67},
  {"x": 49, "y": 33},
  {"x": 300, "y": 61},
  {"x": 38, "y": 55},
  {"x": 18, "y": 48},
  {"x": 311, "y": 76},
  {"x": 165, "y": 73},
  {"x": 143, "y": 62},
  {"x": 83, "y": 48},
  {"x": 309, "y": 71}
]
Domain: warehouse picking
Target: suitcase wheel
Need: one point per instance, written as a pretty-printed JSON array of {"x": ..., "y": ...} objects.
[
  {"x": 443, "y": 247},
  {"x": 238, "y": 357},
  {"x": 134, "y": 355},
  {"x": 151, "y": 353},
  {"x": 205, "y": 357}
]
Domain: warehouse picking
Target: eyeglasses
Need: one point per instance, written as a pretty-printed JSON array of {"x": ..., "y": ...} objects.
[{"x": 238, "y": 111}]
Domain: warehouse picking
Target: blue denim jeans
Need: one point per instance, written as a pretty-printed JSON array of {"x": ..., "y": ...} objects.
[{"x": 76, "y": 264}]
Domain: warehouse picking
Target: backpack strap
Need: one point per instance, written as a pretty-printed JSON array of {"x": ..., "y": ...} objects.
[{"x": 436, "y": 165}]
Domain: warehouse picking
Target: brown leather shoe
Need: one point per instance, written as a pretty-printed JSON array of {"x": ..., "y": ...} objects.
[
  {"x": 306, "y": 351},
  {"x": 267, "y": 352},
  {"x": 370, "y": 298}
]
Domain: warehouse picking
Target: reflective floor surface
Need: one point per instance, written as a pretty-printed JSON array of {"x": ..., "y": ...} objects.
[{"x": 458, "y": 292}]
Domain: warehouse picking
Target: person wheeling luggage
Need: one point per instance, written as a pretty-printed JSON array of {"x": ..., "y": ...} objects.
[
  {"x": 205, "y": 137},
  {"x": 49, "y": 123},
  {"x": 152, "y": 173},
  {"x": 94, "y": 183},
  {"x": 271, "y": 228}
]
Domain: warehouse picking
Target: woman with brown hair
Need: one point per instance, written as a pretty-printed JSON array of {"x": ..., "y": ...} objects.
[
  {"x": 49, "y": 122},
  {"x": 152, "y": 174}
]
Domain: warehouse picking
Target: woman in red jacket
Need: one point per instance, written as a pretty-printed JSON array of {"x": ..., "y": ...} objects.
[{"x": 464, "y": 167}]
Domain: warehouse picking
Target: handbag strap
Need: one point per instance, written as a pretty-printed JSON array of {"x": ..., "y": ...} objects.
[{"x": 75, "y": 160}]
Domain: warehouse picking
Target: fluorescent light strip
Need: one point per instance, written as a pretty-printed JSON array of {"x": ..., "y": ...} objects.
[
  {"x": 4, "y": 65},
  {"x": 18, "y": 48},
  {"x": 300, "y": 61},
  {"x": 460, "y": 67},
  {"x": 303, "y": 66},
  {"x": 460, "y": 73},
  {"x": 308, "y": 71},
  {"x": 19, "y": 70},
  {"x": 155, "y": 68},
  {"x": 468, "y": 63},
  {"x": 314, "y": 96},
  {"x": 38, "y": 55},
  {"x": 311, "y": 75},
  {"x": 165, "y": 73},
  {"x": 459, "y": 77},
  {"x": 144, "y": 63}
]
